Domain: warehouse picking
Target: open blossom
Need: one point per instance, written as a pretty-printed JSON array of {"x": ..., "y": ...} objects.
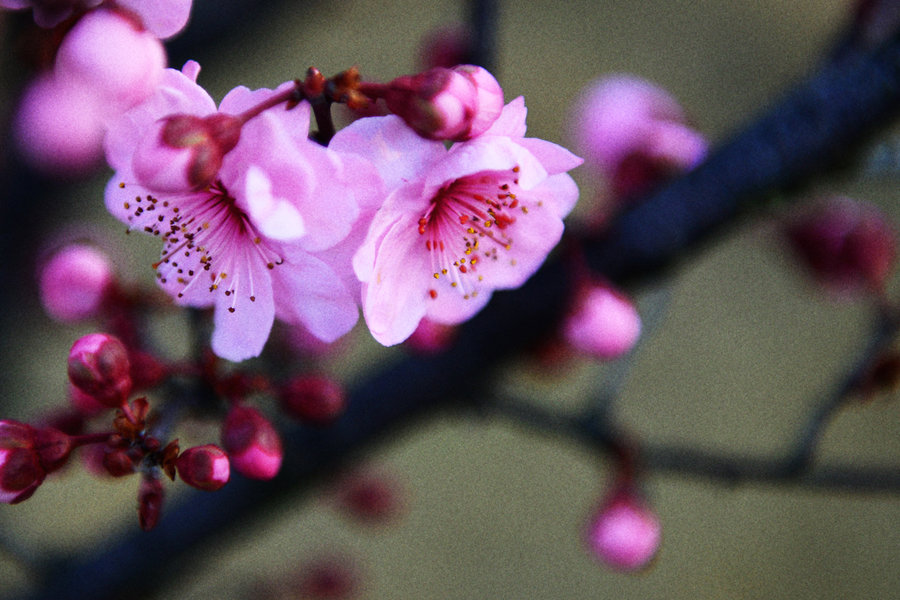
[
  {"x": 457, "y": 224},
  {"x": 251, "y": 243}
]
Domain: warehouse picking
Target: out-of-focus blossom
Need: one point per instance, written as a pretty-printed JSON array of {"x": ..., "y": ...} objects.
[
  {"x": 625, "y": 533},
  {"x": 633, "y": 133},
  {"x": 162, "y": 18},
  {"x": 315, "y": 399},
  {"x": 109, "y": 54},
  {"x": 59, "y": 127},
  {"x": 74, "y": 282},
  {"x": 457, "y": 224},
  {"x": 603, "y": 323},
  {"x": 848, "y": 246},
  {"x": 250, "y": 244}
]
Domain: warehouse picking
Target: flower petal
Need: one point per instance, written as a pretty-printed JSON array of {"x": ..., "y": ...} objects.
[{"x": 241, "y": 333}]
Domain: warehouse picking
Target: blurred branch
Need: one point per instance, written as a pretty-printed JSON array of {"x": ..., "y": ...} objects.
[{"x": 805, "y": 134}]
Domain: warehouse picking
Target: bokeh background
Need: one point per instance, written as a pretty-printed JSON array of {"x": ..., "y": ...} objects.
[{"x": 745, "y": 349}]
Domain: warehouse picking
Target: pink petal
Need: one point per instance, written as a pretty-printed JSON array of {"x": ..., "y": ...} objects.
[
  {"x": 163, "y": 18},
  {"x": 275, "y": 217},
  {"x": 312, "y": 294},
  {"x": 554, "y": 158},
  {"x": 399, "y": 154},
  {"x": 394, "y": 298},
  {"x": 242, "y": 334},
  {"x": 511, "y": 122}
]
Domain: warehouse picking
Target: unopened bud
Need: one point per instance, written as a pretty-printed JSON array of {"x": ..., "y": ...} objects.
[
  {"x": 252, "y": 443},
  {"x": 204, "y": 467},
  {"x": 625, "y": 533},
  {"x": 488, "y": 99},
  {"x": 150, "y": 500},
  {"x": 603, "y": 324},
  {"x": 99, "y": 367},
  {"x": 313, "y": 399},
  {"x": 184, "y": 152},
  {"x": 439, "y": 104},
  {"x": 20, "y": 469},
  {"x": 74, "y": 283},
  {"x": 118, "y": 463},
  {"x": 53, "y": 448}
]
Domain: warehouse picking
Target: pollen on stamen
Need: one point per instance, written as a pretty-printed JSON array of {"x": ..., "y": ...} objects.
[
  {"x": 231, "y": 309},
  {"x": 432, "y": 293},
  {"x": 121, "y": 185}
]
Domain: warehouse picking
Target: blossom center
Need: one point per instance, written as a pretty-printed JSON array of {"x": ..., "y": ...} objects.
[
  {"x": 206, "y": 238},
  {"x": 470, "y": 220}
]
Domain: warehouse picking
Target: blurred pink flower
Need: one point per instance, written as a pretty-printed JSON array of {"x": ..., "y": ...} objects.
[
  {"x": 633, "y": 133},
  {"x": 251, "y": 243},
  {"x": 457, "y": 224}
]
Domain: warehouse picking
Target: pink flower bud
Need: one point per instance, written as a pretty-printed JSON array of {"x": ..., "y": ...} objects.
[
  {"x": 20, "y": 469},
  {"x": 439, "y": 104},
  {"x": 74, "y": 283},
  {"x": 488, "y": 99},
  {"x": 634, "y": 133},
  {"x": 58, "y": 127},
  {"x": 252, "y": 443},
  {"x": 150, "y": 500},
  {"x": 184, "y": 152},
  {"x": 604, "y": 323},
  {"x": 99, "y": 367},
  {"x": 204, "y": 467},
  {"x": 625, "y": 534},
  {"x": 848, "y": 246},
  {"x": 112, "y": 56},
  {"x": 313, "y": 398}
]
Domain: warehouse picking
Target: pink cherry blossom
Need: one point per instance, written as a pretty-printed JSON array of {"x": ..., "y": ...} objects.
[
  {"x": 250, "y": 244},
  {"x": 162, "y": 18},
  {"x": 457, "y": 224}
]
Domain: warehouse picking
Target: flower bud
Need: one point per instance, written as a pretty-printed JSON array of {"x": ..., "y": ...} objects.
[
  {"x": 633, "y": 133},
  {"x": 488, "y": 99},
  {"x": 99, "y": 367},
  {"x": 371, "y": 498},
  {"x": 313, "y": 398},
  {"x": 439, "y": 104},
  {"x": 110, "y": 54},
  {"x": 150, "y": 500},
  {"x": 53, "y": 448},
  {"x": 204, "y": 467},
  {"x": 20, "y": 469},
  {"x": 118, "y": 463},
  {"x": 252, "y": 443},
  {"x": 847, "y": 246},
  {"x": 74, "y": 283},
  {"x": 603, "y": 324},
  {"x": 184, "y": 152},
  {"x": 625, "y": 534}
]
